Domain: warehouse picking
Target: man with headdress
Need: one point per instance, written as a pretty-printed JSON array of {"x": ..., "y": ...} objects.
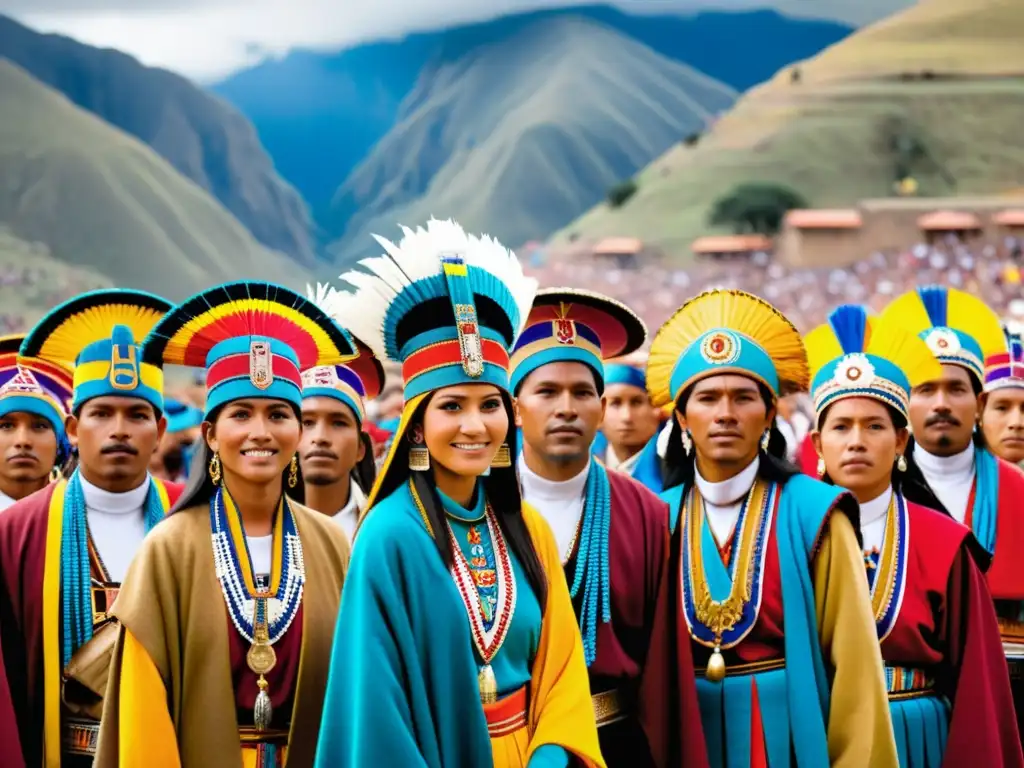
[
  {"x": 630, "y": 421},
  {"x": 610, "y": 530},
  {"x": 1002, "y": 408},
  {"x": 949, "y": 466},
  {"x": 65, "y": 548},
  {"x": 755, "y": 547},
  {"x": 34, "y": 398},
  {"x": 336, "y": 454},
  {"x": 177, "y": 446}
]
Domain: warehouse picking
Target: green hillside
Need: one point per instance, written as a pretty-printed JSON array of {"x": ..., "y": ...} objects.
[
  {"x": 831, "y": 134},
  {"x": 103, "y": 201},
  {"x": 519, "y": 137}
]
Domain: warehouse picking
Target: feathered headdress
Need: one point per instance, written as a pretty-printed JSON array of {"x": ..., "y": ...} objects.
[
  {"x": 958, "y": 328},
  {"x": 725, "y": 331},
  {"x": 567, "y": 324},
  {"x": 98, "y": 333},
  {"x": 253, "y": 338},
  {"x": 1006, "y": 369},
  {"x": 446, "y": 305},
  {"x": 854, "y": 355},
  {"x": 354, "y": 383},
  {"x": 35, "y": 386}
]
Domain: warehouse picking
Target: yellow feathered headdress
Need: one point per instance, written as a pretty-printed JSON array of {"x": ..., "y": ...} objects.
[{"x": 725, "y": 331}]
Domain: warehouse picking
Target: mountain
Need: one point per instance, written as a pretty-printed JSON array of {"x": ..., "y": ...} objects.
[
  {"x": 202, "y": 136},
  {"x": 100, "y": 200},
  {"x": 517, "y": 137},
  {"x": 319, "y": 114},
  {"x": 945, "y": 79}
]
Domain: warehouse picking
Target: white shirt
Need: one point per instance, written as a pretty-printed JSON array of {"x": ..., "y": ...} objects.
[
  {"x": 117, "y": 524},
  {"x": 348, "y": 516},
  {"x": 261, "y": 549},
  {"x": 872, "y": 521},
  {"x": 626, "y": 466},
  {"x": 723, "y": 501},
  {"x": 5, "y": 501},
  {"x": 950, "y": 477},
  {"x": 559, "y": 502}
]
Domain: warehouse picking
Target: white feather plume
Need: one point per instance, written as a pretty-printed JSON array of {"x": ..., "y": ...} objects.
[{"x": 416, "y": 257}]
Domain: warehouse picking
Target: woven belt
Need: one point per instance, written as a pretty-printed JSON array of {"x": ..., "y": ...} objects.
[
  {"x": 507, "y": 715},
  {"x": 79, "y": 737},
  {"x": 609, "y": 707},
  {"x": 750, "y": 668},
  {"x": 907, "y": 683}
]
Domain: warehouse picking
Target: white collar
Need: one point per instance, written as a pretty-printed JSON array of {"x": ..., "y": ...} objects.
[
  {"x": 355, "y": 502},
  {"x": 729, "y": 491},
  {"x": 537, "y": 487},
  {"x": 99, "y": 500},
  {"x": 870, "y": 511},
  {"x": 944, "y": 466}
]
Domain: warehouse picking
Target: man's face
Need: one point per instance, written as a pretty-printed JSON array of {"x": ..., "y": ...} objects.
[
  {"x": 943, "y": 412},
  {"x": 28, "y": 447},
  {"x": 116, "y": 438},
  {"x": 629, "y": 419},
  {"x": 390, "y": 402},
  {"x": 726, "y": 416},
  {"x": 559, "y": 411},
  {"x": 174, "y": 452},
  {"x": 1002, "y": 421},
  {"x": 330, "y": 446}
]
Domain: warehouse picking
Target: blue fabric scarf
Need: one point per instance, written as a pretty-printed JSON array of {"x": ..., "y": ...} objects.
[
  {"x": 592, "y": 559},
  {"x": 986, "y": 499},
  {"x": 75, "y": 574}
]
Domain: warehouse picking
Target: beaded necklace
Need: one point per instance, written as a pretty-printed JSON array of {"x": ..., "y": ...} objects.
[
  {"x": 75, "y": 574},
  {"x": 591, "y": 573}
]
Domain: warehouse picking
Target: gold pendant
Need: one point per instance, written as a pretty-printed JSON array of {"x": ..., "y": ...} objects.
[
  {"x": 261, "y": 658},
  {"x": 716, "y": 666},
  {"x": 488, "y": 684}
]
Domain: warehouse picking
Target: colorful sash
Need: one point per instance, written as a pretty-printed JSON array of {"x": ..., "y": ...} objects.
[
  {"x": 592, "y": 567},
  {"x": 985, "y": 510},
  {"x": 721, "y": 605},
  {"x": 890, "y": 582},
  {"x": 235, "y": 572}
]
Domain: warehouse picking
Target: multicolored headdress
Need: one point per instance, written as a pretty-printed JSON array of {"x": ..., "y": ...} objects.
[
  {"x": 854, "y": 355},
  {"x": 34, "y": 386},
  {"x": 1006, "y": 369},
  {"x": 958, "y": 328},
  {"x": 570, "y": 325},
  {"x": 99, "y": 335},
  {"x": 253, "y": 339},
  {"x": 725, "y": 331},
  {"x": 354, "y": 383}
]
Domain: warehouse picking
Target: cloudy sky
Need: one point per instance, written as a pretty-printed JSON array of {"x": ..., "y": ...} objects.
[{"x": 207, "y": 39}]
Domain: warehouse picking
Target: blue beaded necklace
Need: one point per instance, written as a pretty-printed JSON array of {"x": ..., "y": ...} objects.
[
  {"x": 75, "y": 575},
  {"x": 592, "y": 559}
]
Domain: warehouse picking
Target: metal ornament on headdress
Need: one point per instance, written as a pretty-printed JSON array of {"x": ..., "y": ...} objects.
[
  {"x": 466, "y": 323},
  {"x": 261, "y": 367}
]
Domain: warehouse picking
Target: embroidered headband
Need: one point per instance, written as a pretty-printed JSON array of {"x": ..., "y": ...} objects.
[
  {"x": 34, "y": 386},
  {"x": 1006, "y": 369}
]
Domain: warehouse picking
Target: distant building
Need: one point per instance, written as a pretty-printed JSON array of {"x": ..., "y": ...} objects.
[
  {"x": 811, "y": 237},
  {"x": 720, "y": 247},
  {"x": 621, "y": 252}
]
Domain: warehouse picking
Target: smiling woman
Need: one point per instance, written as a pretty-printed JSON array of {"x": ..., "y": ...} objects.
[
  {"x": 279, "y": 566},
  {"x": 455, "y": 609}
]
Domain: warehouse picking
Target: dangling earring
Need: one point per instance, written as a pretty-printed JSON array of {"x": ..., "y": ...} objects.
[
  {"x": 503, "y": 457},
  {"x": 55, "y": 474},
  {"x": 901, "y": 463},
  {"x": 419, "y": 456},
  {"x": 687, "y": 442},
  {"x": 293, "y": 471},
  {"x": 765, "y": 439},
  {"x": 214, "y": 469},
  {"x": 821, "y": 467}
]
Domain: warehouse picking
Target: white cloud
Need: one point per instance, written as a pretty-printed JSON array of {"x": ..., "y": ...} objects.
[{"x": 207, "y": 40}]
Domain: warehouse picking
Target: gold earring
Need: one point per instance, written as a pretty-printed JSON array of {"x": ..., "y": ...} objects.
[
  {"x": 419, "y": 456},
  {"x": 214, "y": 469},
  {"x": 901, "y": 463},
  {"x": 293, "y": 471},
  {"x": 687, "y": 442},
  {"x": 503, "y": 457},
  {"x": 821, "y": 467},
  {"x": 765, "y": 439}
]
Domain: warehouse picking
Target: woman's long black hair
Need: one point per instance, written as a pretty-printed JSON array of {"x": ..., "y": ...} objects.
[
  {"x": 680, "y": 469},
  {"x": 501, "y": 487}
]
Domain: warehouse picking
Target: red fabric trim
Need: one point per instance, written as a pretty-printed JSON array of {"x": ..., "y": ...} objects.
[
  {"x": 450, "y": 353},
  {"x": 235, "y": 366},
  {"x": 506, "y": 715},
  {"x": 758, "y": 750}
]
